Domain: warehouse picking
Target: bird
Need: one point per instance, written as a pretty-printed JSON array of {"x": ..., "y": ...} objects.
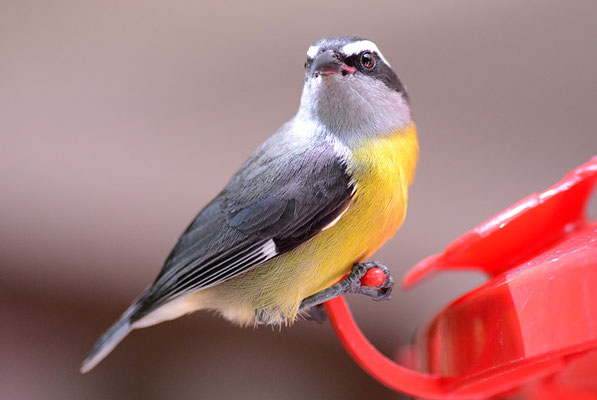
[{"x": 317, "y": 198}]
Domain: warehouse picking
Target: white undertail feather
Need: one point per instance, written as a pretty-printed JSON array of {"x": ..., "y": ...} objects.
[{"x": 173, "y": 309}]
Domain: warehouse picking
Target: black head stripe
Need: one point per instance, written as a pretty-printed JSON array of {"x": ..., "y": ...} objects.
[
  {"x": 385, "y": 74},
  {"x": 380, "y": 71}
]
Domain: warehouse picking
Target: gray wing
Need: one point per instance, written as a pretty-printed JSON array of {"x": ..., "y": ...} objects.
[{"x": 281, "y": 197}]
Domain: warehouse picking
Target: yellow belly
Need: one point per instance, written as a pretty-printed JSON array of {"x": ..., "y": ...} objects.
[{"x": 382, "y": 170}]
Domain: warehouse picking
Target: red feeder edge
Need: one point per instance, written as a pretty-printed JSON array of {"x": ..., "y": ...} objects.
[{"x": 529, "y": 332}]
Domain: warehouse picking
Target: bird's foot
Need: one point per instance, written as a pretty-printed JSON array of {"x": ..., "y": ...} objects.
[
  {"x": 352, "y": 284},
  {"x": 377, "y": 293},
  {"x": 317, "y": 314}
]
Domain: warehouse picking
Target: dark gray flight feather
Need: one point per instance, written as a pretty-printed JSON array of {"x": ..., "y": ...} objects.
[{"x": 288, "y": 191}]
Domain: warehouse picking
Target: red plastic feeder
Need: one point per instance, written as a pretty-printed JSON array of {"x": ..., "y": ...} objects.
[{"x": 530, "y": 332}]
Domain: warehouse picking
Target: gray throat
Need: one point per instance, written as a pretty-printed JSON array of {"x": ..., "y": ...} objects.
[{"x": 355, "y": 110}]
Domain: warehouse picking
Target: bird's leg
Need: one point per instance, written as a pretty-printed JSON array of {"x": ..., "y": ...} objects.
[
  {"x": 350, "y": 284},
  {"x": 316, "y": 313}
]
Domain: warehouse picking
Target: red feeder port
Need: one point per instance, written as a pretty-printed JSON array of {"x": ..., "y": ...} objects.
[{"x": 530, "y": 332}]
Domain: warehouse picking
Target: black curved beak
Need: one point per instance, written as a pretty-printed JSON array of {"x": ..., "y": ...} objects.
[{"x": 329, "y": 62}]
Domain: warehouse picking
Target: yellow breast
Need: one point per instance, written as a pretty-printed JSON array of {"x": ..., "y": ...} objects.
[{"x": 382, "y": 169}]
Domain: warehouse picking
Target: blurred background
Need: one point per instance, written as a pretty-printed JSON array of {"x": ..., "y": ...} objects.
[{"x": 119, "y": 120}]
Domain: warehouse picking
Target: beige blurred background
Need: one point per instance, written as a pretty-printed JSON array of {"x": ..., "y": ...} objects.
[{"x": 119, "y": 120}]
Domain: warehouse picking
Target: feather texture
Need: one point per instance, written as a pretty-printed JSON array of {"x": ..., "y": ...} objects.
[{"x": 244, "y": 227}]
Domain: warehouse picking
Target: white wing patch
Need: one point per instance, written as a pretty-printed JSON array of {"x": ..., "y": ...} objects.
[
  {"x": 335, "y": 221},
  {"x": 363, "y": 45},
  {"x": 269, "y": 249},
  {"x": 221, "y": 271}
]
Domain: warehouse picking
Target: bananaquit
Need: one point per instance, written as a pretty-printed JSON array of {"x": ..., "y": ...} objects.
[{"x": 317, "y": 198}]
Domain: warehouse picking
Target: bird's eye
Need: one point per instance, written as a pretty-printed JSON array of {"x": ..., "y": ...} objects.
[
  {"x": 367, "y": 60},
  {"x": 306, "y": 63}
]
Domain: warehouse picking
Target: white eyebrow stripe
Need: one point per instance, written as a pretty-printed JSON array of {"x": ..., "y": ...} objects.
[
  {"x": 353, "y": 48},
  {"x": 312, "y": 52}
]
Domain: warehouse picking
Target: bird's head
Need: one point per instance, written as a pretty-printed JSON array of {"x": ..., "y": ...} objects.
[{"x": 351, "y": 89}]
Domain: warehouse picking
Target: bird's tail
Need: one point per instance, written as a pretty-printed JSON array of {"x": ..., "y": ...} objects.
[{"x": 109, "y": 340}]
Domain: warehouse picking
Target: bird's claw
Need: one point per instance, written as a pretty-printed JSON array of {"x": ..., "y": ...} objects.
[
  {"x": 377, "y": 293},
  {"x": 350, "y": 284},
  {"x": 317, "y": 313}
]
